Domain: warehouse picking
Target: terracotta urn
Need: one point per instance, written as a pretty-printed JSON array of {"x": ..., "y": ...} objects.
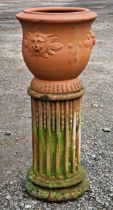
[{"x": 56, "y": 47}]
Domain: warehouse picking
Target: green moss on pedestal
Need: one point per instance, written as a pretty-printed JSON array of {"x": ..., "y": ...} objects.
[
  {"x": 56, "y": 195},
  {"x": 56, "y": 190}
]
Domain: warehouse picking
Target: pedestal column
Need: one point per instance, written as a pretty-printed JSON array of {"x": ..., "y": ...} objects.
[{"x": 56, "y": 174}]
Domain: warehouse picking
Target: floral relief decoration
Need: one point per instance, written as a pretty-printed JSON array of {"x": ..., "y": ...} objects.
[
  {"x": 90, "y": 41},
  {"x": 42, "y": 45}
]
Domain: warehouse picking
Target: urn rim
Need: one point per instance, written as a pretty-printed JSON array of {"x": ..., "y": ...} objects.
[{"x": 56, "y": 14}]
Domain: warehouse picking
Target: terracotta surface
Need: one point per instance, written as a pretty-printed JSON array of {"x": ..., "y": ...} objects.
[
  {"x": 57, "y": 42},
  {"x": 56, "y": 174}
]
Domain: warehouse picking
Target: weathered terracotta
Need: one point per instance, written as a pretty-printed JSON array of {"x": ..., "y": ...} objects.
[{"x": 57, "y": 43}]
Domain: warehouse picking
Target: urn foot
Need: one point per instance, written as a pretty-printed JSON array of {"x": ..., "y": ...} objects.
[{"x": 57, "y": 194}]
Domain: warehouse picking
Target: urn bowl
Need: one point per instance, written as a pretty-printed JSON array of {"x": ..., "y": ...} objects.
[{"x": 57, "y": 42}]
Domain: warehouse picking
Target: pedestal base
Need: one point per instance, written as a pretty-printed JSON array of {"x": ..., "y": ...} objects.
[
  {"x": 56, "y": 194},
  {"x": 56, "y": 174}
]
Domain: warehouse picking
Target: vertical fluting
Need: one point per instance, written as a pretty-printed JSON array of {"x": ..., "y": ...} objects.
[
  {"x": 48, "y": 137},
  {"x": 34, "y": 135},
  {"x": 77, "y": 130},
  {"x": 44, "y": 115},
  {"x": 74, "y": 138},
  {"x": 62, "y": 115},
  {"x": 57, "y": 137},
  {"x": 40, "y": 137},
  {"x": 62, "y": 138},
  {"x": 70, "y": 114},
  {"x": 53, "y": 115},
  {"x": 66, "y": 136},
  {"x": 53, "y": 139}
]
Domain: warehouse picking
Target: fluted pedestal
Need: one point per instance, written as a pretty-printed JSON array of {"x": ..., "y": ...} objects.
[{"x": 56, "y": 174}]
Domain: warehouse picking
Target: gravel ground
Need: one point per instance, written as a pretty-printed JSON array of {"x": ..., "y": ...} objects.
[{"x": 15, "y": 117}]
